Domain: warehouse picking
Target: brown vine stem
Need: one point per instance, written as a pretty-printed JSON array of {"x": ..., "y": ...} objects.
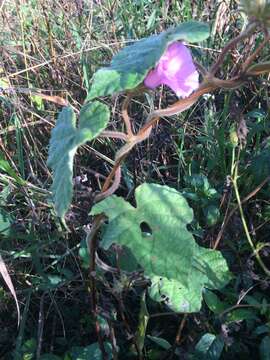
[
  {"x": 258, "y": 69},
  {"x": 111, "y": 175},
  {"x": 113, "y": 188},
  {"x": 125, "y": 115},
  {"x": 178, "y": 335},
  {"x": 209, "y": 85},
  {"x": 114, "y": 135},
  {"x": 231, "y": 44},
  {"x": 178, "y": 107}
]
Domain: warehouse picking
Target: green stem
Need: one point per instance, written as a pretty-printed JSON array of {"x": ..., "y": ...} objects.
[{"x": 244, "y": 223}]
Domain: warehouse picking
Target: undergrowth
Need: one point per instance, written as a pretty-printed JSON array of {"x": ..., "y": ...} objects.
[{"x": 49, "y": 53}]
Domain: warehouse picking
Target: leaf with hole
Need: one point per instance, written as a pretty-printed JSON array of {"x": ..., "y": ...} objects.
[
  {"x": 65, "y": 140},
  {"x": 130, "y": 66},
  {"x": 177, "y": 266}
]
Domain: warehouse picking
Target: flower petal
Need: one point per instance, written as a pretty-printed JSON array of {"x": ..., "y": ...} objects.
[
  {"x": 176, "y": 70},
  {"x": 153, "y": 79}
]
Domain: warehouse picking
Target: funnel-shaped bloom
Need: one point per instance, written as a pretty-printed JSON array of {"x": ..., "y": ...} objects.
[{"x": 176, "y": 70}]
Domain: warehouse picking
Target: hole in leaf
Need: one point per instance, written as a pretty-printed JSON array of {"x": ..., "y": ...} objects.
[{"x": 146, "y": 230}]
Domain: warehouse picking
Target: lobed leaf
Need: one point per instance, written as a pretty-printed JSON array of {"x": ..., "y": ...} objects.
[
  {"x": 65, "y": 140},
  {"x": 177, "y": 266},
  {"x": 130, "y": 66}
]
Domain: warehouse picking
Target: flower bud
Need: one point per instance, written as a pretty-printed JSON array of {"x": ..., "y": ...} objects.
[
  {"x": 257, "y": 9},
  {"x": 233, "y": 136}
]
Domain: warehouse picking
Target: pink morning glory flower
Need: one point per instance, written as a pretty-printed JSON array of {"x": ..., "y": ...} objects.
[{"x": 176, "y": 70}]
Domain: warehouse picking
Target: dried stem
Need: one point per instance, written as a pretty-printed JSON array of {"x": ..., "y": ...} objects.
[
  {"x": 253, "y": 56},
  {"x": 91, "y": 241},
  {"x": 243, "y": 219},
  {"x": 126, "y": 325},
  {"x": 231, "y": 44},
  {"x": 114, "y": 135},
  {"x": 178, "y": 335},
  {"x": 247, "y": 198},
  {"x": 40, "y": 326},
  {"x": 113, "y": 341}
]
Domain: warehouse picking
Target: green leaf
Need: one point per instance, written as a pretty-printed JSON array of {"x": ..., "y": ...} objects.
[
  {"x": 115, "y": 206},
  {"x": 260, "y": 165},
  {"x": 177, "y": 297},
  {"x": 261, "y": 329},
  {"x": 209, "y": 347},
  {"x": 7, "y": 168},
  {"x": 178, "y": 268},
  {"x": 265, "y": 348},
  {"x": 164, "y": 344},
  {"x": 198, "y": 182},
  {"x": 84, "y": 254},
  {"x": 240, "y": 315},
  {"x": 6, "y": 221},
  {"x": 130, "y": 66},
  {"x": 89, "y": 352},
  {"x": 38, "y": 102},
  {"x": 65, "y": 140},
  {"x": 212, "y": 215},
  {"x": 49, "y": 357},
  {"x": 213, "y": 302},
  {"x": 143, "y": 321}
]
